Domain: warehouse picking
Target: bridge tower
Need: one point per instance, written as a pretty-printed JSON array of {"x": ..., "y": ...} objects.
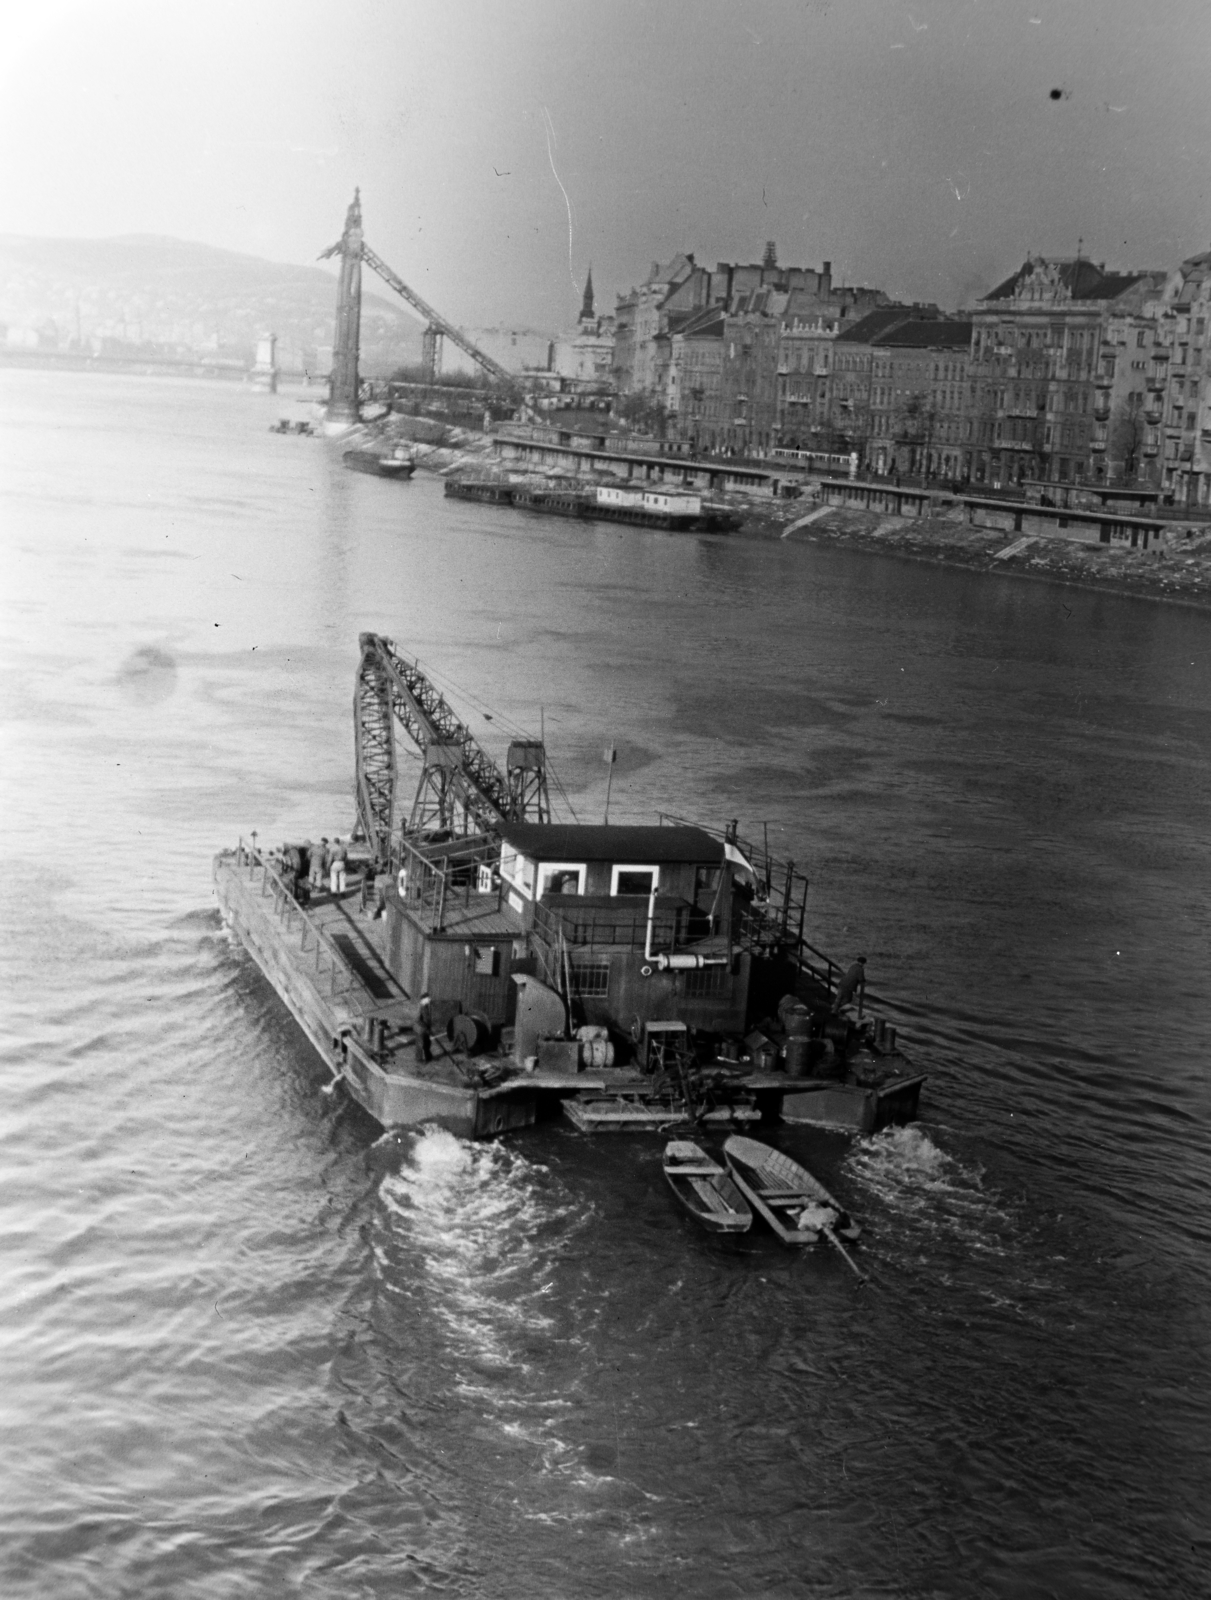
[
  {"x": 342, "y": 409},
  {"x": 431, "y": 354}
]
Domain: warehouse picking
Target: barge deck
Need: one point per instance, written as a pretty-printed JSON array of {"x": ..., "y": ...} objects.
[{"x": 326, "y": 962}]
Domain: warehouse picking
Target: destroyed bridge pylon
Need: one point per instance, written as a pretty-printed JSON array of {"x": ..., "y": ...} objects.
[{"x": 353, "y": 251}]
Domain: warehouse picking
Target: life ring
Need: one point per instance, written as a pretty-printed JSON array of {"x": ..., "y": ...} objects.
[
  {"x": 645, "y": 972},
  {"x": 636, "y": 1029}
]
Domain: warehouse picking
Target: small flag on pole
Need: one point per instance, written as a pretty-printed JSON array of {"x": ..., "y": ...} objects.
[{"x": 610, "y": 755}]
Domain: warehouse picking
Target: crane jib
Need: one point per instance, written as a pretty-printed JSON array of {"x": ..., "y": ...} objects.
[
  {"x": 394, "y": 281},
  {"x": 461, "y": 787}
]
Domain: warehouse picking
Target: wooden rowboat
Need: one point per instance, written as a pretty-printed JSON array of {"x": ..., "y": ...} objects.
[
  {"x": 704, "y": 1188},
  {"x": 797, "y": 1206}
]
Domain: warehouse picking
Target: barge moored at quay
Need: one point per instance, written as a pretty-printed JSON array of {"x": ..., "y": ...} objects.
[
  {"x": 479, "y": 965},
  {"x": 674, "y": 510},
  {"x": 398, "y": 463}
]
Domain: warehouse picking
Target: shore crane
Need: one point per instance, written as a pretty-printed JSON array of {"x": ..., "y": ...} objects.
[{"x": 461, "y": 788}]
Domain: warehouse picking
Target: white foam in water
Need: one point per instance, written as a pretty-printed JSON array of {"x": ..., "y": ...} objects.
[
  {"x": 472, "y": 1211},
  {"x": 916, "y": 1179}
]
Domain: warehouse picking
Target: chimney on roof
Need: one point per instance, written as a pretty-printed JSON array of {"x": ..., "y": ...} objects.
[
  {"x": 826, "y": 278},
  {"x": 770, "y": 258}
]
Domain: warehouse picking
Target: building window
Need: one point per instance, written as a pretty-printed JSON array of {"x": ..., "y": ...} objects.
[
  {"x": 487, "y": 961},
  {"x": 591, "y": 976}
]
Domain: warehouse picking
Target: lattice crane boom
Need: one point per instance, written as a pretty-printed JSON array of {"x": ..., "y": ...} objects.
[
  {"x": 460, "y": 783},
  {"x": 434, "y": 319}
]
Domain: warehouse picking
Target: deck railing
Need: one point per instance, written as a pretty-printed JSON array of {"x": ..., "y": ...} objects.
[
  {"x": 432, "y": 886},
  {"x": 286, "y": 907}
]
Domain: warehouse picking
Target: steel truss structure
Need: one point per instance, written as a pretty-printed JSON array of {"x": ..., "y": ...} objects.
[{"x": 461, "y": 789}]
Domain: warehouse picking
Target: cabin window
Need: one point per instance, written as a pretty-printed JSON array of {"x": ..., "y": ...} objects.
[
  {"x": 561, "y": 877},
  {"x": 487, "y": 961},
  {"x": 591, "y": 976},
  {"x": 634, "y": 880}
]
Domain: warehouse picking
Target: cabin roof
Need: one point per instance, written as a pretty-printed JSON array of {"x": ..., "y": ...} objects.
[{"x": 557, "y": 841}]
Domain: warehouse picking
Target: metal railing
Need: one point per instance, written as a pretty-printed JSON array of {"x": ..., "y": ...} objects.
[
  {"x": 603, "y": 927},
  {"x": 432, "y": 887},
  {"x": 286, "y": 907}
]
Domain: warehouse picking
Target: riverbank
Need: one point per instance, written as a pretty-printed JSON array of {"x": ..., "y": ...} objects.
[{"x": 1177, "y": 571}]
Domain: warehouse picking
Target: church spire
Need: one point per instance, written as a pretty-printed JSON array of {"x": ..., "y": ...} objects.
[{"x": 586, "y": 305}]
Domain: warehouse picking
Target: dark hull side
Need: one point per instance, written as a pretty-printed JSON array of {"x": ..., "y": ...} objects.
[
  {"x": 583, "y": 508},
  {"x": 330, "y": 1011},
  {"x": 378, "y": 466},
  {"x": 495, "y": 494}
]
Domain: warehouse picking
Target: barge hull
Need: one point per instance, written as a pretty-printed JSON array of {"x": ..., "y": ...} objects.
[
  {"x": 855, "y": 1108},
  {"x": 331, "y": 1005}
]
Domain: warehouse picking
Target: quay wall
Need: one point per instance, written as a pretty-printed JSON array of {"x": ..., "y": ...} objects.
[{"x": 1137, "y": 529}]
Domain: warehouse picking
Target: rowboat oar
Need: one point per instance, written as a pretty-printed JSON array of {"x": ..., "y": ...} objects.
[{"x": 837, "y": 1245}]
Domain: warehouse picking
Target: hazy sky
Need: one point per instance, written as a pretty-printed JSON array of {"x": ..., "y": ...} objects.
[{"x": 920, "y": 146}]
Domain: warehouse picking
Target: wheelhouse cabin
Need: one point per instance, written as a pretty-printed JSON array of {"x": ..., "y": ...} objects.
[
  {"x": 633, "y": 923},
  {"x": 629, "y": 924}
]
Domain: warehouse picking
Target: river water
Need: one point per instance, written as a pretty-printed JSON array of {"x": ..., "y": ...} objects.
[{"x": 250, "y": 1348}]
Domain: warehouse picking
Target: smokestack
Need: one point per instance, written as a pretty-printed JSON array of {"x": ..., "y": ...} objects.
[{"x": 826, "y": 278}]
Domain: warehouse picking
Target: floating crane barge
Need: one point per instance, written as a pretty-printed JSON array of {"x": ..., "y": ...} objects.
[{"x": 636, "y": 977}]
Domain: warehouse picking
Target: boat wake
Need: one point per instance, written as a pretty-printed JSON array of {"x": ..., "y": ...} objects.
[
  {"x": 919, "y": 1183},
  {"x": 487, "y": 1231}
]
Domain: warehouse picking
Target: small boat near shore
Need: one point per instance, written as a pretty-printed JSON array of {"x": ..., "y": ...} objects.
[
  {"x": 796, "y": 1205},
  {"x": 705, "y": 1189},
  {"x": 399, "y": 464}
]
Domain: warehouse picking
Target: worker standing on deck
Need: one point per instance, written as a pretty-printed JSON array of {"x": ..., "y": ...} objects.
[
  {"x": 851, "y": 985},
  {"x": 336, "y": 869},
  {"x": 424, "y": 1026},
  {"x": 319, "y": 864}
]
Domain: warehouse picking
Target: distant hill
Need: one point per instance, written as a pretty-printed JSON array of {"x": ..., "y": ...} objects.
[{"x": 143, "y": 292}]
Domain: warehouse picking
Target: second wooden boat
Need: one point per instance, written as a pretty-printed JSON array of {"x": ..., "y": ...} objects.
[
  {"x": 797, "y": 1206},
  {"x": 704, "y": 1188}
]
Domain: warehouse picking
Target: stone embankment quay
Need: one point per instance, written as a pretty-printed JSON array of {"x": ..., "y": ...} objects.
[{"x": 1175, "y": 568}]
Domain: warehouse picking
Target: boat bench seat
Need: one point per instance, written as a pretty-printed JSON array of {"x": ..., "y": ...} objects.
[{"x": 713, "y": 1198}]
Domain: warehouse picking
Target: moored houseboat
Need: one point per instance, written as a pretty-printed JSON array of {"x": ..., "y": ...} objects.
[
  {"x": 489, "y": 490},
  {"x": 552, "y": 501},
  {"x": 673, "y": 510}
]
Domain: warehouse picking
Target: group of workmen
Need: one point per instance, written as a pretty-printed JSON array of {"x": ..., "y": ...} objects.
[
  {"x": 311, "y": 866},
  {"x": 329, "y": 863}
]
